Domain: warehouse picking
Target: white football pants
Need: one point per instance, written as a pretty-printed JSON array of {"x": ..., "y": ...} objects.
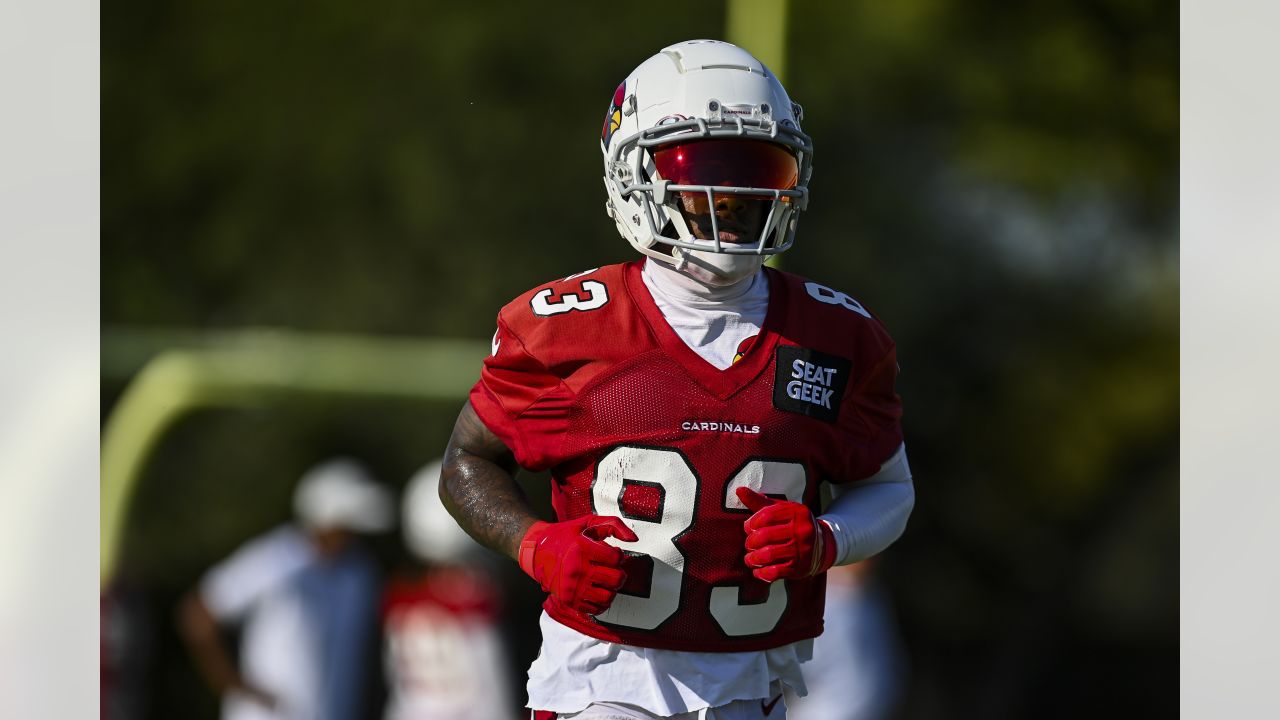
[{"x": 774, "y": 708}]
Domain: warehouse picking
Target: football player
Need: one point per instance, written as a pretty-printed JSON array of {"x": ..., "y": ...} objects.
[
  {"x": 444, "y": 651},
  {"x": 688, "y": 405}
]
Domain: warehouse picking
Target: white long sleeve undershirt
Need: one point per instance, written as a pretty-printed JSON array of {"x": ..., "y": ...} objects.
[
  {"x": 712, "y": 321},
  {"x": 867, "y": 516}
]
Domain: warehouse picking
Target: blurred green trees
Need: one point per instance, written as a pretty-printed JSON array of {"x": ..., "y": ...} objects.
[{"x": 997, "y": 181}]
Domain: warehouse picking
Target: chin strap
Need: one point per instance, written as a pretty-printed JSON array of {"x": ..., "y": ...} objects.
[{"x": 677, "y": 253}]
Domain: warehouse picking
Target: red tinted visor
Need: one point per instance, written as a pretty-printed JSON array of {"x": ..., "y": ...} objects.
[{"x": 728, "y": 162}]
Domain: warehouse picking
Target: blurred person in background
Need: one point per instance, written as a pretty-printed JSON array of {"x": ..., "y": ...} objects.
[
  {"x": 445, "y": 656},
  {"x": 859, "y": 669},
  {"x": 688, "y": 406},
  {"x": 127, "y": 645},
  {"x": 305, "y": 595}
]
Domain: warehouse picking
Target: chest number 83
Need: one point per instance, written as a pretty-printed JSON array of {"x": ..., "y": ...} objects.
[{"x": 678, "y": 486}]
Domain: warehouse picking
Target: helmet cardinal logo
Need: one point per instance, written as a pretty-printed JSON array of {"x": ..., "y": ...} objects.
[{"x": 613, "y": 120}]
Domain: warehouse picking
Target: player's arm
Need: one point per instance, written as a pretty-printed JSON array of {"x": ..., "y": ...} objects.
[
  {"x": 478, "y": 486},
  {"x": 868, "y": 516},
  {"x": 203, "y": 638},
  {"x": 569, "y": 559}
]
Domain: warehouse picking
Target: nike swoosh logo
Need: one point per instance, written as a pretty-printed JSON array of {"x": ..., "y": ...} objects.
[{"x": 767, "y": 708}]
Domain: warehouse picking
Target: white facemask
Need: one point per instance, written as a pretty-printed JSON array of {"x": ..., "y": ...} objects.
[{"x": 716, "y": 269}]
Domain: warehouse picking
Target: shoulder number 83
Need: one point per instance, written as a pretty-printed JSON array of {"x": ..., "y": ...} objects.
[{"x": 593, "y": 295}]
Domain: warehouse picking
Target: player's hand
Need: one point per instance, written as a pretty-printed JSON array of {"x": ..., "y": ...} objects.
[
  {"x": 571, "y": 561},
  {"x": 784, "y": 539},
  {"x": 254, "y": 694}
]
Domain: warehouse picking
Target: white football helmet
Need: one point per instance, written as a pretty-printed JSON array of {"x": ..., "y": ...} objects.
[
  {"x": 430, "y": 532},
  {"x": 705, "y": 117},
  {"x": 340, "y": 493}
]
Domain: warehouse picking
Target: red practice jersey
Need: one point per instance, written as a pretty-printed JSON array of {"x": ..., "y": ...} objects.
[
  {"x": 588, "y": 380},
  {"x": 444, "y": 651}
]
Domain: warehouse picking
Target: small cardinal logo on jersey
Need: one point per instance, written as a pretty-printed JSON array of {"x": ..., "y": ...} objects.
[{"x": 744, "y": 347}]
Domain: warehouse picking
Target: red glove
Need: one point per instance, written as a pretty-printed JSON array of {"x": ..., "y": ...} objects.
[
  {"x": 784, "y": 539},
  {"x": 570, "y": 560}
]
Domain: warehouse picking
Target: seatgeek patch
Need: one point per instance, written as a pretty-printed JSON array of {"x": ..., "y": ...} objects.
[{"x": 809, "y": 382}]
